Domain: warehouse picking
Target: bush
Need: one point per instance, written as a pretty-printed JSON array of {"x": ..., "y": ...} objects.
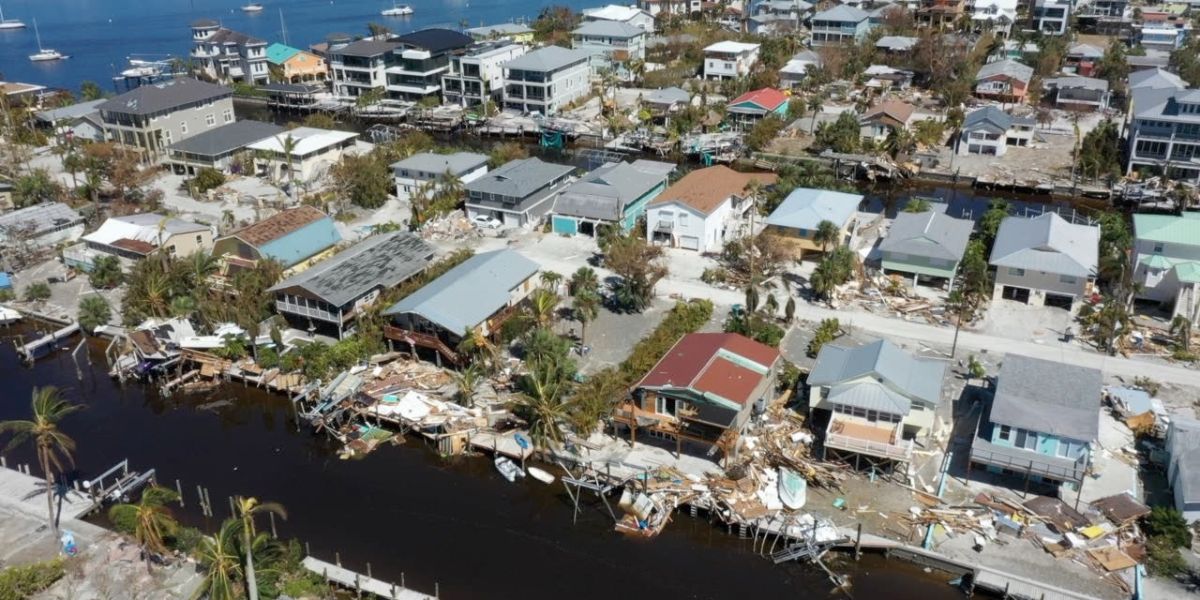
[
  {"x": 207, "y": 179},
  {"x": 826, "y": 332},
  {"x": 1164, "y": 559},
  {"x": 756, "y": 328},
  {"x": 18, "y": 583},
  {"x": 1167, "y": 524},
  {"x": 37, "y": 292},
  {"x": 6, "y": 295},
  {"x": 186, "y": 539},
  {"x": 788, "y": 377}
]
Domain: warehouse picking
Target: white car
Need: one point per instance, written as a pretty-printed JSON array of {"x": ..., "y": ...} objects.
[{"x": 485, "y": 222}]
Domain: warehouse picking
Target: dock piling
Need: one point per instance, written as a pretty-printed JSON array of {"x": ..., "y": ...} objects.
[
  {"x": 274, "y": 533},
  {"x": 179, "y": 492}
]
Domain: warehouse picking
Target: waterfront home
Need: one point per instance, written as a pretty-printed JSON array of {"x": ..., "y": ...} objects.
[
  {"x": 332, "y": 294},
  {"x": 663, "y": 103},
  {"x": 1004, "y": 80},
  {"x": 928, "y": 244},
  {"x": 296, "y": 65},
  {"x": 704, "y": 209},
  {"x": 792, "y": 74},
  {"x": 615, "y": 13},
  {"x": 682, "y": 8},
  {"x": 840, "y": 24},
  {"x": 1183, "y": 465},
  {"x": 991, "y": 131},
  {"x": 311, "y": 154},
  {"x": 421, "y": 59},
  {"x": 152, "y": 117},
  {"x": 1081, "y": 59},
  {"x": 473, "y": 298},
  {"x": 882, "y": 78},
  {"x": 754, "y": 106},
  {"x": 228, "y": 56},
  {"x": 1045, "y": 260},
  {"x": 358, "y": 67},
  {"x": 778, "y": 17},
  {"x": 519, "y": 193},
  {"x": 428, "y": 170},
  {"x": 939, "y": 14},
  {"x": 1051, "y": 17},
  {"x": 79, "y": 122},
  {"x": 615, "y": 194},
  {"x": 217, "y": 148},
  {"x": 1079, "y": 94},
  {"x": 703, "y": 391},
  {"x": 546, "y": 80},
  {"x": 1164, "y": 127},
  {"x": 796, "y": 219},
  {"x": 1162, "y": 31},
  {"x": 877, "y": 398},
  {"x": 612, "y": 44},
  {"x": 1166, "y": 261},
  {"x": 132, "y": 238},
  {"x": 295, "y": 96},
  {"x": 995, "y": 16},
  {"x": 476, "y": 74},
  {"x": 39, "y": 226},
  {"x": 881, "y": 120},
  {"x": 729, "y": 60},
  {"x": 518, "y": 33},
  {"x": 1042, "y": 421},
  {"x": 22, "y": 94},
  {"x": 295, "y": 238}
]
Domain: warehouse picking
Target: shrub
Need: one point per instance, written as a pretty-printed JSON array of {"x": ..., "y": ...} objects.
[
  {"x": 1164, "y": 559},
  {"x": 756, "y": 328},
  {"x": 826, "y": 332},
  {"x": 207, "y": 179},
  {"x": 18, "y": 583},
  {"x": 1167, "y": 524},
  {"x": 6, "y": 295},
  {"x": 37, "y": 292}
]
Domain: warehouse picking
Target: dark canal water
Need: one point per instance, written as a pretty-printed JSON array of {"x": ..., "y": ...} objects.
[{"x": 405, "y": 510}]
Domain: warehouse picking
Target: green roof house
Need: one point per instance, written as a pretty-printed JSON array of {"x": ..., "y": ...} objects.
[
  {"x": 1166, "y": 261},
  {"x": 928, "y": 244}
]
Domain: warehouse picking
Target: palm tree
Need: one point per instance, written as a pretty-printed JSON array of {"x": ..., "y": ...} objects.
[
  {"x": 223, "y": 568},
  {"x": 586, "y": 307},
  {"x": 584, "y": 279},
  {"x": 477, "y": 346},
  {"x": 466, "y": 381},
  {"x": 814, "y": 105},
  {"x": 289, "y": 145},
  {"x": 247, "y": 509},
  {"x": 93, "y": 312},
  {"x": 541, "y": 404},
  {"x": 202, "y": 265},
  {"x": 54, "y": 447},
  {"x": 152, "y": 520},
  {"x": 542, "y": 306},
  {"x": 827, "y": 233},
  {"x": 1181, "y": 326},
  {"x": 551, "y": 279}
]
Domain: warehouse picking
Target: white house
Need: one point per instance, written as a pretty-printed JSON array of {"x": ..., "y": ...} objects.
[
  {"x": 546, "y": 80},
  {"x": 729, "y": 60},
  {"x": 792, "y": 74},
  {"x": 991, "y": 131},
  {"x": 703, "y": 210},
  {"x": 1166, "y": 261},
  {"x": 313, "y": 151},
  {"x": 427, "y": 169},
  {"x": 1045, "y": 260},
  {"x": 681, "y": 8},
  {"x": 477, "y": 74},
  {"x": 611, "y": 43},
  {"x": 630, "y": 15}
]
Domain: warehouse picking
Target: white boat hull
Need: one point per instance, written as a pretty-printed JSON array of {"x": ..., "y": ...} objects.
[
  {"x": 8, "y": 316},
  {"x": 397, "y": 12},
  {"x": 540, "y": 475},
  {"x": 793, "y": 489},
  {"x": 47, "y": 56},
  {"x": 252, "y": 9},
  {"x": 508, "y": 469},
  {"x": 12, "y": 25}
]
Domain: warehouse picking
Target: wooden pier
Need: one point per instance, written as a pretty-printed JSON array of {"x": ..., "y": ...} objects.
[{"x": 361, "y": 583}]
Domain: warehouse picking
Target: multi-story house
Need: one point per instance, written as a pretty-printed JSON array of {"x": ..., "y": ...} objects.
[
  {"x": 1051, "y": 17},
  {"x": 476, "y": 75},
  {"x": 518, "y": 193},
  {"x": 295, "y": 65},
  {"x": 132, "y": 238},
  {"x": 1042, "y": 422},
  {"x": 779, "y": 17},
  {"x": 1162, "y": 31},
  {"x": 704, "y": 209},
  {"x": 1004, "y": 80},
  {"x": 612, "y": 44},
  {"x": 839, "y": 25},
  {"x": 1164, "y": 126},
  {"x": 295, "y": 238},
  {"x": 518, "y": 33},
  {"x": 152, "y": 117},
  {"x": 1045, "y": 260},
  {"x": 729, "y": 60},
  {"x": 991, "y": 131},
  {"x": 615, "y": 194},
  {"x": 673, "y": 8},
  {"x": 422, "y": 58},
  {"x": 545, "y": 80},
  {"x": 1166, "y": 261},
  {"x": 630, "y": 15},
  {"x": 227, "y": 55},
  {"x": 361, "y": 66},
  {"x": 996, "y": 16},
  {"x": 1079, "y": 94},
  {"x": 796, "y": 221},
  {"x": 928, "y": 244},
  {"x": 940, "y": 13},
  {"x": 428, "y": 170}
]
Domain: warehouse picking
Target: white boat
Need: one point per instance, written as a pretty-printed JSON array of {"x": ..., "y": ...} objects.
[
  {"x": 540, "y": 475},
  {"x": 142, "y": 68},
  {"x": 253, "y": 7},
  {"x": 398, "y": 10},
  {"x": 8, "y": 316},
  {"x": 508, "y": 468},
  {"x": 10, "y": 23},
  {"x": 44, "y": 54},
  {"x": 793, "y": 489}
]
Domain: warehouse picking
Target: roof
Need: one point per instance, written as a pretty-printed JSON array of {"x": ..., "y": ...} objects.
[
  {"x": 292, "y": 88},
  {"x": 519, "y": 178},
  {"x": 884, "y": 364},
  {"x": 1047, "y": 243},
  {"x": 993, "y": 119},
  {"x": 74, "y": 111},
  {"x": 1169, "y": 229},
  {"x": 1121, "y": 508},
  {"x": 279, "y": 53},
  {"x": 1085, "y": 51},
  {"x": 929, "y": 234},
  {"x": 614, "y": 29},
  {"x": 706, "y": 189},
  {"x": 226, "y": 138},
  {"x": 767, "y": 98},
  {"x": 671, "y": 95},
  {"x": 141, "y": 233},
  {"x": 435, "y": 39},
  {"x": 308, "y": 140},
  {"x": 501, "y": 29},
  {"x": 1048, "y": 397},
  {"x": 429, "y": 162},
  {"x": 896, "y": 110},
  {"x": 1008, "y": 68},
  {"x": 466, "y": 295},
  {"x": 229, "y": 36},
  {"x": 366, "y": 48},
  {"x": 205, "y": 23},
  {"x": 1076, "y": 82},
  {"x": 549, "y": 58},
  {"x": 280, "y": 225},
  {"x": 614, "y": 12},
  {"x": 605, "y": 192},
  {"x": 805, "y": 208},
  {"x": 843, "y": 13},
  {"x": 39, "y": 217},
  {"x": 723, "y": 367},
  {"x": 1183, "y": 450},
  {"x": 896, "y": 42},
  {"x": 731, "y": 47},
  {"x": 1156, "y": 78},
  {"x": 378, "y": 261},
  {"x": 165, "y": 96}
]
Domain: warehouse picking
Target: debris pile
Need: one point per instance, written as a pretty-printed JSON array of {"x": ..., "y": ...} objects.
[{"x": 450, "y": 227}]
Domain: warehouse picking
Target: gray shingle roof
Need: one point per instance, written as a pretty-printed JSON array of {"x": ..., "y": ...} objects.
[
  {"x": 1047, "y": 243},
  {"x": 165, "y": 96},
  {"x": 671, "y": 95},
  {"x": 1087, "y": 83},
  {"x": 991, "y": 118},
  {"x": 604, "y": 193},
  {"x": 519, "y": 178},
  {"x": 549, "y": 58},
  {"x": 805, "y": 208},
  {"x": 366, "y": 48},
  {"x": 226, "y": 138},
  {"x": 1048, "y": 397},
  {"x": 229, "y": 36},
  {"x": 429, "y": 162},
  {"x": 614, "y": 29},
  {"x": 379, "y": 261},
  {"x": 843, "y": 13},
  {"x": 929, "y": 234},
  {"x": 894, "y": 375},
  {"x": 1008, "y": 67},
  {"x": 1183, "y": 456},
  {"x": 74, "y": 111},
  {"x": 469, "y": 293}
]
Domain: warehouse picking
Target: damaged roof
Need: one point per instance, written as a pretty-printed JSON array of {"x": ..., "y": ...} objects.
[
  {"x": 382, "y": 261},
  {"x": 1048, "y": 397},
  {"x": 723, "y": 367}
]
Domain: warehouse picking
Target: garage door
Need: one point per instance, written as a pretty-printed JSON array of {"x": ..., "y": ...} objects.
[
  {"x": 689, "y": 242},
  {"x": 1015, "y": 293},
  {"x": 1059, "y": 301}
]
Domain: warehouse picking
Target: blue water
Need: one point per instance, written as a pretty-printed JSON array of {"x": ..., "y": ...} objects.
[{"x": 100, "y": 35}]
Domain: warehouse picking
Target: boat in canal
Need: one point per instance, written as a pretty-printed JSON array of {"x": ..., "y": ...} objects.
[
  {"x": 541, "y": 475},
  {"x": 508, "y": 468},
  {"x": 10, "y": 23},
  {"x": 397, "y": 10},
  {"x": 253, "y": 7},
  {"x": 44, "y": 54},
  {"x": 793, "y": 489}
]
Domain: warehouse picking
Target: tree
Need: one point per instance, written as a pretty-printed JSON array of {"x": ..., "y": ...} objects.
[
  {"x": 827, "y": 233},
  {"x": 918, "y": 205},
  {"x": 763, "y": 132},
  {"x": 789, "y": 310},
  {"x": 1114, "y": 65},
  {"x": 541, "y": 403},
  {"x": 209, "y": 178},
  {"x": 1108, "y": 323},
  {"x": 93, "y": 312},
  {"x": 320, "y": 120},
  {"x": 585, "y": 307},
  {"x": 289, "y": 145},
  {"x": 989, "y": 223},
  {"x": 54, "y": 448},
  {"x": 35, "y": 187},
  {"x": 247, "y": 508},
  {"x": 584, "y": 279},
  {"x": 554, "y": 24},
  {"x": 363, "y": 179},
  {"x": 465, "y": 383},
  {"x": 89, "y": 91},
  {"x": 899, "y": 141},
  {"x": 827, "y": 331},
  {"x": 1167, "y": 523},
  {"x": 37, "y": 292},
  {"x": 814, "y": 103},
  {"x": 151, "y": 520},
  {"x": 551, "y": 280},
  {"x": 1099, "y": 154},
  {"x": 370, "y": 97},
  {"x": 543, "y": 305},
  {"x": 842, "y": 135},
  {"x": 637, "y": 265},
  {"x": 1181, "y": 327},
  {"x": 506, "y": 152},
  {"x": 219, "y": 557},
  {"x": 378, "y": 30},
  {"x": 106, "y": 272}
]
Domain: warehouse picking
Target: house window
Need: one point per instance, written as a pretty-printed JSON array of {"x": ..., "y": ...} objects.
[
  {"x": 664, "y": 405},
  {"x": 683, "y": 219},
  {"x": 1064, "y": 449},
  {"x": 199, "y": 239},
  {"x": 1015, "y": 272},
  {"x": 1005, "y": 433},
  {"x": 1068, "y": 279},
  {"x": 1158, "y": 247},
  {"x": 210, "y": 119},
  {"x": 1026, "y": 440},
  {"x": 183, "y": 128},
  {"x": 228, "y": 116}
]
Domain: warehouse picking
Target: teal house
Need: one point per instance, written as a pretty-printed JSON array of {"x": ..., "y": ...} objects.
[
  {"x": 277, "y": 53},
  {"x": 1043, "y": 422},
  {"x": 616, "y": 193},
  {"x": 927, "y": 244},
  {"x": 292, "y": 237},
  {"x": 752, "y": 107}
]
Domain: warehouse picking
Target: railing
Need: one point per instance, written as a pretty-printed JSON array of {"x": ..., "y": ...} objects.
[
  {"x": 424, "y": 340},
  {"x": 1026, "y": 461},
  {"x": 306, "y": 311},
  {"x": 665, "y": 226},
  {"x": 892, "y": 451}
]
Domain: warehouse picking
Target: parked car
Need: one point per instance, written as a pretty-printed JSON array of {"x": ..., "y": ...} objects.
[{"x": 486, "y": 222}]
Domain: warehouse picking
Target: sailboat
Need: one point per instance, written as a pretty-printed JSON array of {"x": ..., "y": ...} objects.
[
  {"x": 10, "y": 23},
  {"x": 253, "y": 7},
  {"x": 44, "y": 54},
  {"x": 398, "y": 10}
]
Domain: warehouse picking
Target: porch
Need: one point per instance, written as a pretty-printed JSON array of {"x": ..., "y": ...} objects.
[
  {"x": 683, "y": 426},
  {"x": 880, "y": 445}
]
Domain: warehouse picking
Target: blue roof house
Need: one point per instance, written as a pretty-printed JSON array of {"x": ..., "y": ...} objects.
[
  {"x": 797, "y": 218},
  {"x": 613, "y": 194},
  {"x": 296, "y": 238}
]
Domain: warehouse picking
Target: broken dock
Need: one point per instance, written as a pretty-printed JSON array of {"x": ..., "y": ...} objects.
[{"x": 361, "y": 583}]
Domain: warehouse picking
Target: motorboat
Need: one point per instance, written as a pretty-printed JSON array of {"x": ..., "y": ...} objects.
[
  {"x": 793, "y": 489},
  {"x": 540, "y": 475},
  {"x": 253, "y": 7},
  {"x": 10, "y": 23},
  {"x": 398, "y": 10},
  {"x": 44, "y": 54},
  {"x": 508, "y": 469}
]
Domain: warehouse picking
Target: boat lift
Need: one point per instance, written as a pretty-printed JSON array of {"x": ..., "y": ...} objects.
[{"x": 116, "y": 484}]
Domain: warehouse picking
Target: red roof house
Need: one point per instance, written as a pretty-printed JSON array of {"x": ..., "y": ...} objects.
[{"x": 757, "y": 104}]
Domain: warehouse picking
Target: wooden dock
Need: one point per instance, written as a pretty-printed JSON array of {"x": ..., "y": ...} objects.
[
  {"x": 28, "y": 493},
  {"x": 359, "y": 582}
]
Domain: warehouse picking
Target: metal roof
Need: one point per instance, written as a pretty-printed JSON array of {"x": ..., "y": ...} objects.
[
  {"x": 457, "y": 163},
  {"x": 74, "y": 111},
  {"x": 549, "y": 58},
  {"x": 1169, "y": 229},
  {"x": 993, "y": 119},
  {"x": 884, "y": 363},
  {"x": 501, "y": 29},
  {"x": 805, "y": 208},
  {"x": 1006, "y": 67},
  {"x": 671, "y": 95},
  {"x": 519, "y": 178},
  {"x": 1048, "y": 397},
  {"x": 366, "y": 48},
  {"x": 382, "y": 261},
  {"x": 1183, "y": 455},
  {"x": 606, "y": 28},
  {"x": 730, "y": 47},
  {"x": 435, "y": 40},
  {"x": 724, "y": 367},
  {"x": 279, "y": 53},
  {"x": 466, "y": 295},
  {"x": 605, "y": 192},
  {"x": 841, "y": 13},
  {"x": 226, "y": 138},
  {"x": 307, "y": 139},
  {"x": 147, "y": 230},
  {"x": 40, "y": 217},
  {"x": 1047, "y": 243},
  {"x": 165, "y": 96},
  {"x": 1156, "y": 78},
  {"x": 929, "y": 234},
  {"x": 1076, "y": 82}
]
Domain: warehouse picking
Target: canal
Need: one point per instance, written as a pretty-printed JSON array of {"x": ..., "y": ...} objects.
[{"x": 453, "y": 522}]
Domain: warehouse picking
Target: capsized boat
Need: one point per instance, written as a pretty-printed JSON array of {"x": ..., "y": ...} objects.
[
  {"x": 540, "y": 475},
  {"x": 508, "y": 468}
]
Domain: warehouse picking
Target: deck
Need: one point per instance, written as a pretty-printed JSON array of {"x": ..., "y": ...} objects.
[
  {"x": 28, "y": 493},
  {"x": 355, "y": 581},
  {"x": 852, "y": 436}
]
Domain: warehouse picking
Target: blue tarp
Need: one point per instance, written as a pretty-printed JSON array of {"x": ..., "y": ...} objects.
[{"x": 5, "y": 281}]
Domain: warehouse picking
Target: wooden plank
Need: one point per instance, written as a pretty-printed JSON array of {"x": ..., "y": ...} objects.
[{"x": 356, "y": 581}]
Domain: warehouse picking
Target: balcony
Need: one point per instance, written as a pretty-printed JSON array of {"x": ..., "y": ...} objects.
[
  {"x": 203, "y": 53},
  {"x": 423, "y": 340},
  {"x": 862, "y": 437},
  {"x": 1024, "y": 461},
  {"x": 311, "y": 312},
  {"x": 664, "y": 226}
]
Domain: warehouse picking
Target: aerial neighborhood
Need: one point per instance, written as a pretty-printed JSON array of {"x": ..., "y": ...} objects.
[{"x": 916, "y": 278}]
